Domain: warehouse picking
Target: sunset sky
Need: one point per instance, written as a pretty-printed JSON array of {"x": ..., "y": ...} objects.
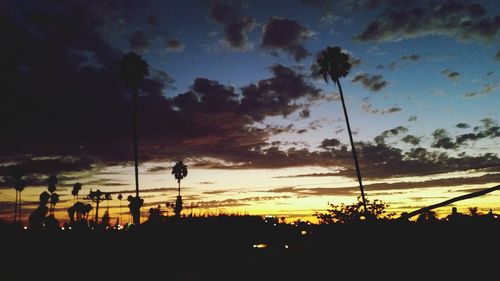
[{"x": 232, "y": 90}]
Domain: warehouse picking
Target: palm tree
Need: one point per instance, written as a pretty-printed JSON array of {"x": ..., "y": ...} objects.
[
  {"x": 19, "y": 185},
  {"x": 334, "y": 64},
  {"x": 179, "y": 171},
  {"x": 54, "y": 197},
  {"x": 76, "y": 189},
  {"x": 133, "y": 70},
  {"x": 120, "y": 197},
  {"x": 98, "y": 196}
]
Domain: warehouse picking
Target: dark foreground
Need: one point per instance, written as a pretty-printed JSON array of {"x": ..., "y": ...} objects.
[{"x": 235, "y": 249}]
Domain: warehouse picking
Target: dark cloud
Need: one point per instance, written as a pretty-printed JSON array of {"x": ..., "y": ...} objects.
[
  {"x": 330, "y": 143},
  {"x": 442, "y": 140},
  {"x": 371, "y": 82},
  {"x": 50, "y": 166},
  {"x": 370, "y": 188},
  {"x": 406, "y": 58},
  {"x": 158, "y": 169},
  {"x": 152, "y": 20},
  {"x": 139, "y": 42},
  {"x": 414, "y": 140},
  {"x": 490, "y": 129},
  {"x": 174, "y": 45},
  {"x": 236, "y": 32},
  {"x": 497, "y": 56},
  {"x": 368, "y": 107},
  {"x": 380, "y": 139},
  {"x": 274, "y": 96},
  {"x": 457, "y": 19},
  {"x": 453, "y": 75},
  {"x": 347, "y": 5},
  {"x": 412, "y": 57},
  {"x": 487, "y": 89},
  {"x": 286, "y": 35},
  {"x": 236, "y": 26},
  {"x": 305, "y": 113},
  {"x": 412, "y": 118}
]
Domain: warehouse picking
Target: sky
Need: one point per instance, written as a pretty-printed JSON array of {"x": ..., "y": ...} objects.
[{"x": 233, "y": 91}]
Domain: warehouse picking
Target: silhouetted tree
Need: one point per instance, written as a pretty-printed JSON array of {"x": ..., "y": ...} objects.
[
  {"x": 76, "y": 189},
  {"x": 37, "y": 218},
  {"x": 334, "y": 64},
  {"x": 105, "y": 220},
  {"x": 155, "y": 216},
  {"x": 449, "y": 201},
  {"x": 98, "y": 196},
  {"x": 17, "y": 175},
  {"x": 179, "y": 171},
  {"x": 134, "y": 69},
  {"x": 427, "y": 217},
  {"x": 54, "y": 197},
  {"x": 81, "y": 210},
  {"x": 135, "y": 204},
  {"x": 120, "y": 197},
  {"x": 356, "y": 212}
]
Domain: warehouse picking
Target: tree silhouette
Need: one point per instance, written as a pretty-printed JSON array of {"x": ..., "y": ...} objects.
[
  {"x": 179, "y": 171},
  {"x": 133, "y": 70},
  {"x": 37, "y": 218},
  {"x": 54, "y": 197},
  {"x": 120, "y": 197},
  {"x": 334, "y": 64},
  {"x": 98, "y": 196},
  {"x": 356, "y": 212},
  {"x": 76, "y": 189},
  {"x": 135, "y": 204},
  {"x": 18, "y": 182}
]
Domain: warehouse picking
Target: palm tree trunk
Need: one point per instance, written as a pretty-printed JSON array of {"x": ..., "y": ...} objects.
[
  {"x": 136, "y": 153},
  {"x": 19, "y": 212},
  {"x": 96, "y": 213},
  {"x": 15, "y": 207},
  {"x": 121, "y": 222},
  {"x": 179, "y": 188},
  {"x": 353, "y": 149}
]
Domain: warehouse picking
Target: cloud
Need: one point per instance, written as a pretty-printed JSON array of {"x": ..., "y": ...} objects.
[
  {"x": 158, "y": 169},
  {"x": 442, "y": 140},
  {"x": 490, "y": 129},
  {"x": 368, "y": 107},
  {"x": 463, "y": 125},
  {"x": 380, "y": 139},
  {"x": 456, "y": 19},
  {"x": 139, "y": 42},
  {"x": 373, "y": 83},
  {"x": 414, "y": 140},
  {"x": 406, "y": 58},
  {"x": 274, "y": 96},
  {"x": 236, "y": 32},
  {"x": 174, "y": 45},
  {"x": 412, "y": 57},
  {"x": 453, "y": 75},
  {"x": 329, "y": 143},
  {"x": 370, "y": 188},
  {"x": 286, "y": 35},
  {"x": 487, "y": 89},
  {"x": 305, "y": 113},
  {"x": 236, "y": 26}
]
